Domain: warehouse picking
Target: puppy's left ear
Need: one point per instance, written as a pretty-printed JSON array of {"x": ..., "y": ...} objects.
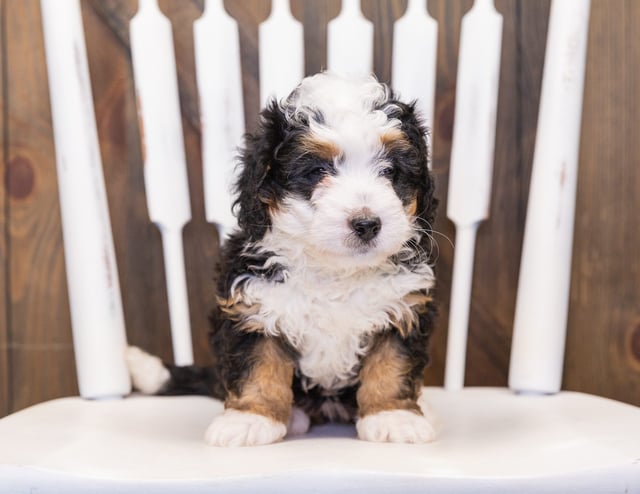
[
  {"x": 419, "y": 136},
  {"x": 257, "y": 188}
]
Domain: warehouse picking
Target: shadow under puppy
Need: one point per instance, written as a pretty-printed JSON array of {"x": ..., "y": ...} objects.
[{"x": 323, "y": 294}]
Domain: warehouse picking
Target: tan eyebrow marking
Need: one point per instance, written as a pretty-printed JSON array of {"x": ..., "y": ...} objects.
[
  {"x": 394, "y": 139},
  {"x": 320, "y": 147}
]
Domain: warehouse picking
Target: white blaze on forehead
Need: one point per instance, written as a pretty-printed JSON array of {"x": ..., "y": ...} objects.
[{"x": 348, "y": 108}]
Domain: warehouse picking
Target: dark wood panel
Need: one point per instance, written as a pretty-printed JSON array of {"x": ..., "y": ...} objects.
[
  {"x": 603, "y": 345},
  {"x": 4, "y": 258},
  {"x": 314, "y": 17},
  {"x": 40, "y": 327}
]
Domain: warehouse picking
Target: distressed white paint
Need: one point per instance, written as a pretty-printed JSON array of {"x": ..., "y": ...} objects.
[
  {"x": 165, "y": 168},
  {"x": 92, "y": 275},
  {"x": 350, "y": 41},
  {"x": 218, "y": 73},
  {"x": 413, "y": 67},
  {"x": 537, "y": 351},
  {"x": 471, "y": 164},
  {"x": 281, "y": 53}
]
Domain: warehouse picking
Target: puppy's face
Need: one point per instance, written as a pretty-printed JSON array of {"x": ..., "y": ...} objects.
[{"x": 340, "y": 168}]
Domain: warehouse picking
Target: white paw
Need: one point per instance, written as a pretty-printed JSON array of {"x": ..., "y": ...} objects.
[
  {"x": 298, "y": 422},
  {"x": 234, "y": 428},
  {"x": 148, "y": 375},
  {"x": 395, "y": 426}
]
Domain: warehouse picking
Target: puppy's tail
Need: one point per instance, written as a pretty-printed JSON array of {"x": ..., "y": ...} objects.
[{"x": 151, "y": 376}]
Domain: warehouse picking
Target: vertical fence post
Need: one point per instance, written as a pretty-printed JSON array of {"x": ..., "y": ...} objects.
[
  {"x": 537, "y": 351},
  {"x": 218, "y": 73},
  {"x": 416, "y": 32},
  {"x": 165, "y": 166},
  {"x": 281, "y": 53},
  {"x": 350, "y": 41},
  {"x": 471, "y": 165},
  {"x": 92, "y": 276}
]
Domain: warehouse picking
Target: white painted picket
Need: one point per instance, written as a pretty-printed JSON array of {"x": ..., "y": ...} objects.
[
  {"x": 165, "y": 166},
  {"x": 281, "y": 52},
  {"x": 471, "y": 168},
  {"x": 218, "y": 73},
  {"x": 413, "y": 62},
  {"x": 350, "y": 41},
  {"x": 92, "y": 275},
  {"x": 537, "y": 351}
]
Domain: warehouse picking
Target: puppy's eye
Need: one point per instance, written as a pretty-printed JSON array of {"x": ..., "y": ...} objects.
[
  {"x": 317, "y": 170},
  {"x": 387, "y": 172}
]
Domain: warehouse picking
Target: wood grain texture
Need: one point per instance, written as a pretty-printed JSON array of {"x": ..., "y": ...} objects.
[
  {"x": 42, "y": 364},
  {"x": 315, "y": 17},
  {"x": 603, "y": 351},
  {"x": 603, "y": 348},
  {"x": 5, "y": 393}
]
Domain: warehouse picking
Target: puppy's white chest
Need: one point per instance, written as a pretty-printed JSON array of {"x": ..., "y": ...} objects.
[{"x": 328, "y": 319}]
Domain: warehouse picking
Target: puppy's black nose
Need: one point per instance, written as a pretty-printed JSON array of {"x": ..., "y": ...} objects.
[{"x": 366, "y": 228}]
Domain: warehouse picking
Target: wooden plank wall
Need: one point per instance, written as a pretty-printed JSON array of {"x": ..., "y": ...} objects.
[{"x": 603, "y": 351}]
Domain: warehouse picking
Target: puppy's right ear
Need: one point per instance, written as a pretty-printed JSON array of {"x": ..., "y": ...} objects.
[{"x": 256, "y": 187}]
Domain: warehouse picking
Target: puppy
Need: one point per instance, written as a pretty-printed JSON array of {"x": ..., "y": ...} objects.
[{"x": 324, "y": 305}]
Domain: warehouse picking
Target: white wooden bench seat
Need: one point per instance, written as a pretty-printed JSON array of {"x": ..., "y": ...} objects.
[{"x": 490, "y": 440}]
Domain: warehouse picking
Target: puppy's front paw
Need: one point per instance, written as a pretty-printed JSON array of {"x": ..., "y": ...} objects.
[
  {"x": 234, "y": 428},
  {"x": 395, "y": 426}
]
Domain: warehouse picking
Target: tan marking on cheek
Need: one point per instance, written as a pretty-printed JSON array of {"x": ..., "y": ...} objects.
[
  {"x": 383, "y": 384},
  {"x": 412, "y": 207},
  {"x": 267, "y": 390},
  {"x": 322, "y": 148}
]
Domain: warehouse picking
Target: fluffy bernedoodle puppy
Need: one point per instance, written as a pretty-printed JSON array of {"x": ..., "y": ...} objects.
[{"x": 324, "y": 307}]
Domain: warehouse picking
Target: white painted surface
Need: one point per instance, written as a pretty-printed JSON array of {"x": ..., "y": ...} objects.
[
  {"x": 165, "y": 167},
  {"x": 413, "y": 67},
  {"x": 471, "y": 169},
  {"x": 281, "y": 53},
  {"x": 488, "y": 441},
  {"x": 537, "y": 351},
  {"x": 350, "y": 41},
  {"x": 218, "y": 73},
  {"x": 459, "y": 306},
  {"x": 92, "y": 275}
]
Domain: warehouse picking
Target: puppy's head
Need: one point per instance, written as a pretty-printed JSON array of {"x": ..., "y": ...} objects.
[{"x": 339, "y": 169}]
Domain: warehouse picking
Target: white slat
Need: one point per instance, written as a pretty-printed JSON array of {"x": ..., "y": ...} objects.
[
  {"x": 537, "y": 351},
  {"x": 281, "y": 53},
  {"x": 165, "y": 165},
  {"x": 413, "y": 68},
  {"x": 350, "y": 41},
  {"x": 92, "y": 275},
  {"x": 471, "y": 164},
  {"x": 218, "y": 73}
]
